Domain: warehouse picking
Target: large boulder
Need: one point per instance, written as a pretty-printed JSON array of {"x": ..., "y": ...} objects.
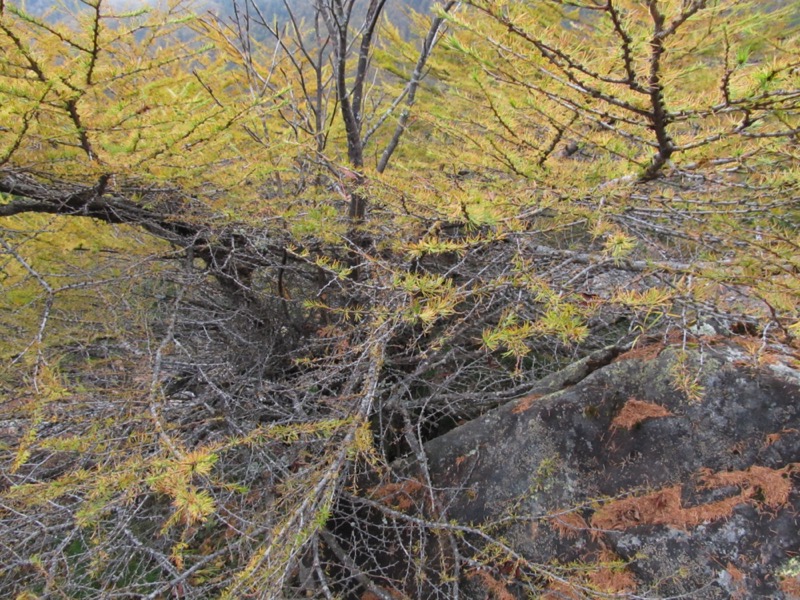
[{"x": 671, "y": 471}]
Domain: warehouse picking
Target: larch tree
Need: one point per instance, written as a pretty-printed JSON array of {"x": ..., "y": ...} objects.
[
  {"x": 664, "y": 132},
  {"x": 248, "y": 263}
]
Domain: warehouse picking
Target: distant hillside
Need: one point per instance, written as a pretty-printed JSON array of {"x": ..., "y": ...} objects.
[
  {"x": 396, "y": 10},
  {"x": 304, "y": 8}
]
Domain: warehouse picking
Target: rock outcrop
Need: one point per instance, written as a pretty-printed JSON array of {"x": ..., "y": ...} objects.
[{"x": 668, "y": 472}]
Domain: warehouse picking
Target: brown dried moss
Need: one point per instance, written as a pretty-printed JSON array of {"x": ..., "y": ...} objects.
[
  {"x": 525, "y": 403},
  {"x": 568, "y": 525},
  {"x": 496, "y": 588},
  {"x": 758, "y": 485},
  {"x": 791, "y": 587},
  {"x": 635, "y": 411},
  {"x": 644, "y": 352},
  {"x": 610, "y": 576},
  {"x": 400, "y": 496}
]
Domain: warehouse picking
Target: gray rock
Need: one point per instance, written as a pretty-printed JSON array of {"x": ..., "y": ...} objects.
[{"x": 696, "y": 494}]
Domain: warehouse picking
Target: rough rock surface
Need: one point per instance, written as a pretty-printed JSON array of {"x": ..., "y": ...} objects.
[{"x": 666, "y": 473}]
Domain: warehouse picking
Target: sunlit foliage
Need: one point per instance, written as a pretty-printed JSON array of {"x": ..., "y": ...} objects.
[{"x": 248, "y": 262}]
